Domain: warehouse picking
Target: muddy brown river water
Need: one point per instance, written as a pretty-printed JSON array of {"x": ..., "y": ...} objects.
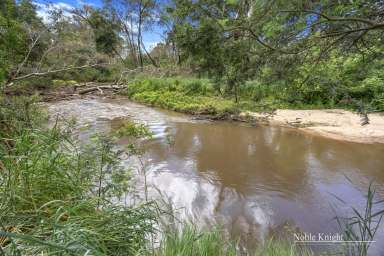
[{"x": 253, "y": 181}]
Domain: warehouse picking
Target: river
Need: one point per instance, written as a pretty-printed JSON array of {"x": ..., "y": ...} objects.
[{"x": 252, "y": 180}]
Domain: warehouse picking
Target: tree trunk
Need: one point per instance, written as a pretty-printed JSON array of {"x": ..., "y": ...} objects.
[{"x": 139, "y": 36}]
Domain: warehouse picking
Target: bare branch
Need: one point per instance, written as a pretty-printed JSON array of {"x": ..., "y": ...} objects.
[
  {"x": 31, "y": 47},
  {"x": 37, "y": 74},
  {"x": 336, "y": 19}
]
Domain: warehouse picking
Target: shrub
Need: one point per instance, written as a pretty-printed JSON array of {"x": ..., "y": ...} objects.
[{"x": 59, "y": 83}]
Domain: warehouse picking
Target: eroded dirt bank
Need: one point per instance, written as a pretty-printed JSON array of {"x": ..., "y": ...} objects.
[{"x": 335, "y": 123}]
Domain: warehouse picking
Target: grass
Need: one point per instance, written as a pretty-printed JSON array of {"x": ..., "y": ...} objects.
[
  {"x": 191, "y": 242},
  {"x": 187, "y": 95},
  {"x": 201, "y": 96},
  {"x": 282, "y": 248},
  {"x": 362, "y": 225}
]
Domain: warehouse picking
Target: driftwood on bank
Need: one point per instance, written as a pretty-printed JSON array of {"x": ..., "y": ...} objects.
[{"x": 99, "y": 88}]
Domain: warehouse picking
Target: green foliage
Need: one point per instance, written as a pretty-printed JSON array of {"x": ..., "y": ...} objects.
[
  {"x": 276, "y": 247},
  {"x": 183, "y": 95},
  {"x": 205, "y": 43},
  {"x": 59, "y": 83},
  {"x": 106, "y": 37},
  {"x": 131, "y": 129},
  {"x": 191, "y": 242},
  {"x": 292, "y": 49},
  {"x": 12, "y": 38},
  {"x": 34, "y": 83},
  {"x": 16, "y": 113},
  {"x": 196, "y": 88},
  {"x": 196, "y": 96}
]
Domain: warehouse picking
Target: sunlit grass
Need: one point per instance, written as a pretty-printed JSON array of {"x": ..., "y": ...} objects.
[
  {"x": 274, "y": 247},
  {"x": 191, "y": 242}
]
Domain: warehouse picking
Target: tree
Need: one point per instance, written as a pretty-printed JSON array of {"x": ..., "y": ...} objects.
[
  {"x": 200, "y": 30},
  {"x": 105, "y": 32},
  {"x": 12, "y": 38},
  {"x": 134, "y": 17},
  {"x": 31, "y": 48}
]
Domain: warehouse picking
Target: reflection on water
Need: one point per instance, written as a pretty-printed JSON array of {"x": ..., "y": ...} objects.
[{"x": 248, "y": 179}]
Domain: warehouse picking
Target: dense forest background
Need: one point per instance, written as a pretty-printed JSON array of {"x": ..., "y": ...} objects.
[{"x": 277, "y": 53}]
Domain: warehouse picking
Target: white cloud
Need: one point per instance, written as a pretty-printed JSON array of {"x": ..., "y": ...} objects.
[
  {"x": 44, "y": 9},
  {"x": 82, "y": 2},
  {"x": 150, "y": 45},
  {"x": 132, "y": 28},
  {"x": 63, "y": 6}
]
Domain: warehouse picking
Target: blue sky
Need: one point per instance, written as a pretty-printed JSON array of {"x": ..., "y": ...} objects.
[{"x": 150, "y": 38}]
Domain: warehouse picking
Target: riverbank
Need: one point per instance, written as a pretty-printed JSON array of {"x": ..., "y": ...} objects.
[
  {"x": 335, "y": 124},
  {"x": 197, "y": 97}
]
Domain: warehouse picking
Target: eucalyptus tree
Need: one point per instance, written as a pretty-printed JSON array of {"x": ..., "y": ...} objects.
[
  {"x": 19, "y": 28},
  {"x": 31, "y": 48},
  {"x": 235, "y": 40},
  {"x": 134, "y": 17},
  {"x": 205, "y": 35}
]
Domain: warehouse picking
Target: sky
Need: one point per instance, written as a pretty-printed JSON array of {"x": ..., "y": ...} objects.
[{"x": 150, "y": 38}]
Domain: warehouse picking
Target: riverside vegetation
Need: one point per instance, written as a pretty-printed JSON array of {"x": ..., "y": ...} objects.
[
  {"x": 198, "y": 96},
  {"x": 58, "y": 197}
]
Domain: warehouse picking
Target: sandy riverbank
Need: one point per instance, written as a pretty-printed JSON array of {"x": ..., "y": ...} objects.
[
  {"x": 336, "y": 123},
  {"x": 332, "y": 123}
]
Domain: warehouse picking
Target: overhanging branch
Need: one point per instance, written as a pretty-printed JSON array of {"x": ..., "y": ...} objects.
[{"x": 37, "y": 74}]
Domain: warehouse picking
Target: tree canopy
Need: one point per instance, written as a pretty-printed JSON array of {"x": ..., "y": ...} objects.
[{"x": 314, "y": 51}]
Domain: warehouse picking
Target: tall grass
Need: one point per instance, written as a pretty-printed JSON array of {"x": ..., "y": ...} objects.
[
  {"x": 188, "y": 241},
  {"x": 361, "y": 227},
  {"x": 57, "y": 198},
  {"x": 275, "y": 247}
]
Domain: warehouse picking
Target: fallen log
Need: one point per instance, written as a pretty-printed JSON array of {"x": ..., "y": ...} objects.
[{"x": 99, "y": 88}]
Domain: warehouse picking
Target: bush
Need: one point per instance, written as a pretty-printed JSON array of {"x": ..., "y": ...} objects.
[
  {"x": 59, "y": 83},
  {"x": 36, "y": 82},
  {"x": 195, "y": 88}
]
